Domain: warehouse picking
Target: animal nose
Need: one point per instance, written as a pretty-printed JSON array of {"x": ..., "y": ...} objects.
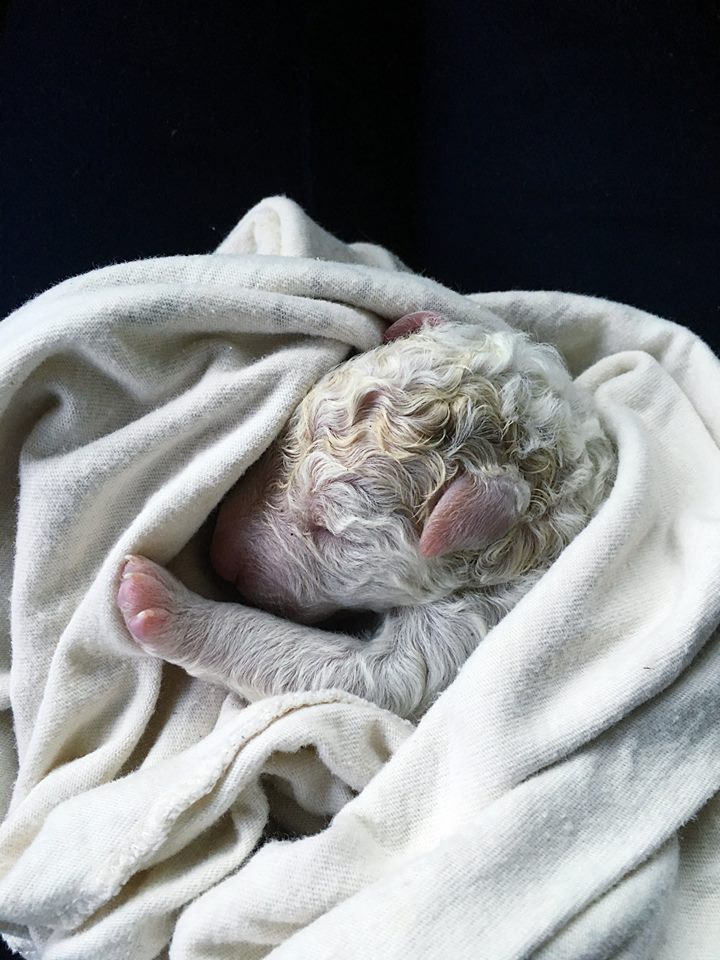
[
  {"x": 223, "y": 552},
  {"x": 235, "y": 556},
  {"x": 236, "y": 521}
]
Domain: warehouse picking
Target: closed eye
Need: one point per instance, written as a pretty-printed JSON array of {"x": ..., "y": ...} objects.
[
  {"x": 369, "y": 403},
  {"x": 319, "y": 533}
]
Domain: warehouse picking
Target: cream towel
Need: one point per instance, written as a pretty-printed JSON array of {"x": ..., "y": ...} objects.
[{"x": 556, "y": 802}]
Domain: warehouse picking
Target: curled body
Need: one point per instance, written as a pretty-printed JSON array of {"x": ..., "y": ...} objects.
[{"x": 430, "y": 481}]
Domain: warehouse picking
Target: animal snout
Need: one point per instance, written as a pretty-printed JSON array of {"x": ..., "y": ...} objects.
[{"x": 238, "y": 522}]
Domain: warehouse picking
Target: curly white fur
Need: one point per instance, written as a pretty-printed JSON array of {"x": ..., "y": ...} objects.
[{"x": 335, "y": 515}]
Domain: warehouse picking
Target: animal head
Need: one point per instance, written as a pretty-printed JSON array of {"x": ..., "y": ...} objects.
[{"x": 450, "y": 458}]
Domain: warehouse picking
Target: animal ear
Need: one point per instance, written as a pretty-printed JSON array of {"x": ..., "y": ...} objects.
[
  {"x": 473, "y": 513},
  {"x": 412, "y": 322}
]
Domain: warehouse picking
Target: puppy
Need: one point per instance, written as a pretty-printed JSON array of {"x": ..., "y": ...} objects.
[{"x": 430, "y": 480}]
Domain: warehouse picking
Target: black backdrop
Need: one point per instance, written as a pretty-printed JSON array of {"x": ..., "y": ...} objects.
[{"x": 563, "y": 144}]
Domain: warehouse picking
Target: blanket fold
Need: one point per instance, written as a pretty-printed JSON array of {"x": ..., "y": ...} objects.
[{"x": 560, "y": 800}]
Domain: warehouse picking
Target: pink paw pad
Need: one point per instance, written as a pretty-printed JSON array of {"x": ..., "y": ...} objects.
[{"x": 144, "y": 599}]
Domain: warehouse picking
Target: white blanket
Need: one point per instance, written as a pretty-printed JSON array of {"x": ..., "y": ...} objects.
[{"x": 556, "y": 802}]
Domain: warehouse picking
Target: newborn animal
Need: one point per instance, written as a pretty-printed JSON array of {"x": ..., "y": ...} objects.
[{"x": 431, "y": 480}]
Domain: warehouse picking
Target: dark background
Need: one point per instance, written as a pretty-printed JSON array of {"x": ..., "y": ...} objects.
[{"x": 560, "y": 144}]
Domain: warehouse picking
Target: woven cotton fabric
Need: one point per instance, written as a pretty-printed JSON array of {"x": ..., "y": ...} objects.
[{"x": 559, "y": 801}]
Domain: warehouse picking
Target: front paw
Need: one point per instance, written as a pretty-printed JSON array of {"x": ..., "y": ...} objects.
[{"x": 150, "y": 601}]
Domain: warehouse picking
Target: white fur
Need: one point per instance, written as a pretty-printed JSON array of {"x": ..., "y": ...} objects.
[{"x": 350, "y": 484}]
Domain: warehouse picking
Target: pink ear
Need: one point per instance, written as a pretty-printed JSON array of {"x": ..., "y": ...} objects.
[
  {"x": 471, "y": 514},
  {"x": 412, "y": 322}
]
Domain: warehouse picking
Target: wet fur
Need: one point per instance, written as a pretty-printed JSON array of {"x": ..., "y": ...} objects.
[{"x": 332, "y": 518}]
